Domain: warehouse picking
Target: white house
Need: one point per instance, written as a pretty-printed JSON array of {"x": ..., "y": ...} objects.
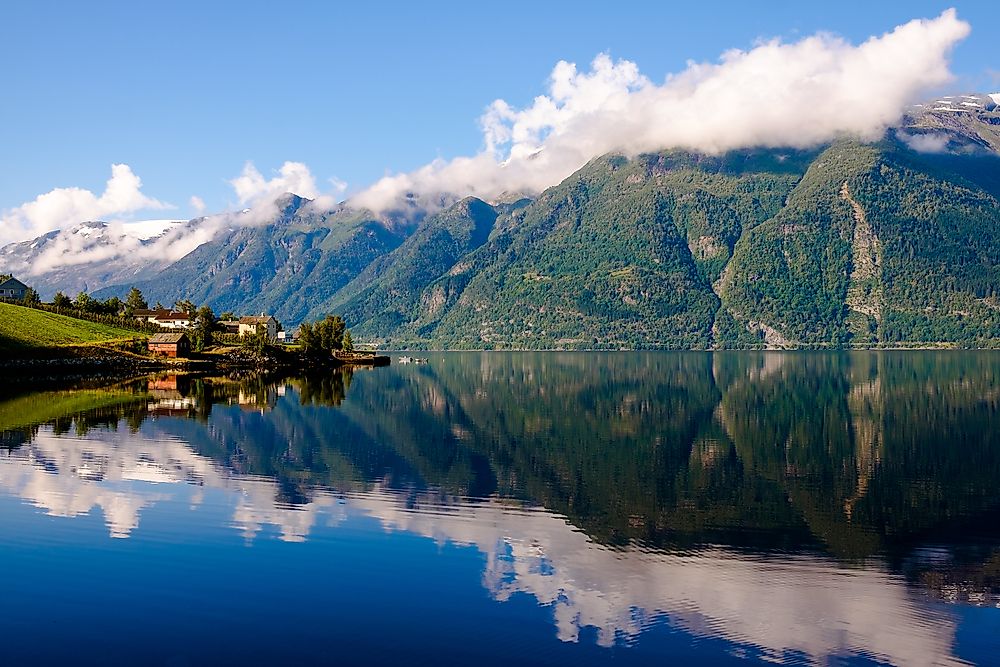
[
  {"x": 173, "y": 320},
  {"x": 248, "y": 325}
]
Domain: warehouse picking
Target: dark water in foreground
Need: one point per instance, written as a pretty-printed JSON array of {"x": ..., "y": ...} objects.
[{"x": 499, "y": 509}]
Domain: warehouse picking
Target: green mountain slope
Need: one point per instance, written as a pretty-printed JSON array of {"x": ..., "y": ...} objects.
[
  {"x": 383, "y": 297},
  {"x": 857, "y": 245},
  {"x": 621, "y": 254},
  {"x": 876, "y": 245}
]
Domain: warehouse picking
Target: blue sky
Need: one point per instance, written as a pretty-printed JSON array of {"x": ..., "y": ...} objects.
[{"x": 186, "y": 94}]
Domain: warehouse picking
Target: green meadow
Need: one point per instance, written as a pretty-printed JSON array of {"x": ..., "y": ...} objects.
[{"x": 25, "y": 328}]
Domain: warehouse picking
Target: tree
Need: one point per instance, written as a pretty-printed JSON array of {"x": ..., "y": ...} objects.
[
  {"x": 185, "y": 306},
  {"x": 31, "y": 297},
  {"x": 307, "y": 337},
  {"x": 255, "y": 342},
  {"x": 61, "y": 301},
  {"x": 348, "y": 342},
  {"x": 83, "y": 301},
  {"x": 331, "y": 331},
  {"x": 135, "y": 301},
  {"x": 323, "y": 337},
  {"x": 204, "y": 326},
  {"x": 112, "y": 306}
]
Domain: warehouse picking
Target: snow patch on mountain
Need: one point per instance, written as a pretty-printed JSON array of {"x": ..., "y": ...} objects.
[{"x": 145, "y": 230}]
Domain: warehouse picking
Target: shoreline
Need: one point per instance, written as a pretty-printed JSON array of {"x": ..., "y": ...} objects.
[{"x": 94, "y": 360}]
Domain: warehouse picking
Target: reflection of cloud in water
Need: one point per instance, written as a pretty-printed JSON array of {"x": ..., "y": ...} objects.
[
  {"x": 792, "y": 604},
  {"x": 122, "y": 473},
  {"x": 802, "y": 604},
  {"x": 68, "y": 477}
]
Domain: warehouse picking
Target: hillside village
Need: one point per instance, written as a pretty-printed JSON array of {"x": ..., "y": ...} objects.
[
  {"x": 182, "y": 332},
  {"x": 250, "y": 324}
]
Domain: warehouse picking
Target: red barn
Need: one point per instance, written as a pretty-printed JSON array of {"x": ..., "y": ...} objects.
[{"x": 170, "y": 344}]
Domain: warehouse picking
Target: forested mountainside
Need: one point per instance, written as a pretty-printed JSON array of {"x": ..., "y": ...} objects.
[
  {"x": 850, "y": 244},
  {"x": 623, "y": 253}
]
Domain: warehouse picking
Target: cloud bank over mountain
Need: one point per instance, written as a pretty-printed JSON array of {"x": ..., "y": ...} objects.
[
  {"x": 75, "y": 244},
  {"x": 777, "y": 94}
]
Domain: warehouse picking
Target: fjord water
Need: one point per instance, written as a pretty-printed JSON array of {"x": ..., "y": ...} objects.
[{"x": 511, "y": 508}]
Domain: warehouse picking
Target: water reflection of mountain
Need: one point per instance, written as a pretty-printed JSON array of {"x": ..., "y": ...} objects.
[
  {"x": 687, "y": 473},
  {"x": 858, "y": 454}
]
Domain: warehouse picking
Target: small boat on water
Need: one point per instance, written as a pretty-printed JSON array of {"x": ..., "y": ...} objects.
[{"x": 411, "y": 360}]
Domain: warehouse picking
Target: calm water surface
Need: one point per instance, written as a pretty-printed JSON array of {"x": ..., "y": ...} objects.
[{"x": 499, "y": 509}]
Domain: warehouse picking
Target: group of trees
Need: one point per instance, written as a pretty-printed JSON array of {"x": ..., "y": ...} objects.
[
  {"x": 133, "y": 302},
  {"x": 111, "y": 306},
  {"x": 88, "y": 304},
  {"x": 326, "y": 336}
]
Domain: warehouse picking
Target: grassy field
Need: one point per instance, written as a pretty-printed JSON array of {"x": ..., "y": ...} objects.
[{"x": 24, "y": 328}]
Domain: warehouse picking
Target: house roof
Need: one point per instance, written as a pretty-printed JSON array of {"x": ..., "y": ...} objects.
[
  {"x": 174, "y": 317},
  {"x": 145, "y": 312},
  {"x": 256, "y": 319},
  {"x": 13, "y": 283},
  {"x": 167, "y": 338}
]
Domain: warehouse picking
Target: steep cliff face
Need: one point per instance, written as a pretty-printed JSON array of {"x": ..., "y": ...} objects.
[
  {"x": 876, "y": 245},
  {"x": 864, "y": 292}
]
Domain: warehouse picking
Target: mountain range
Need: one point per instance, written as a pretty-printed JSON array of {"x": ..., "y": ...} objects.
[{"x": 890, "y": 243}]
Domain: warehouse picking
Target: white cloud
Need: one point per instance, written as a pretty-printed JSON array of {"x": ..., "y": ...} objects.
[
  {"x": 251, "y": 187},
  {"x": 925, "y": 143},
  {"x": 65, "y": 206},
  {"x": 797, "y": 604},
  {"x": 152, "y": 242},
  {"x": 777, "y": 94},
  {"x": 197, "y": 203},
  {"x": 339, "y": 186}
]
